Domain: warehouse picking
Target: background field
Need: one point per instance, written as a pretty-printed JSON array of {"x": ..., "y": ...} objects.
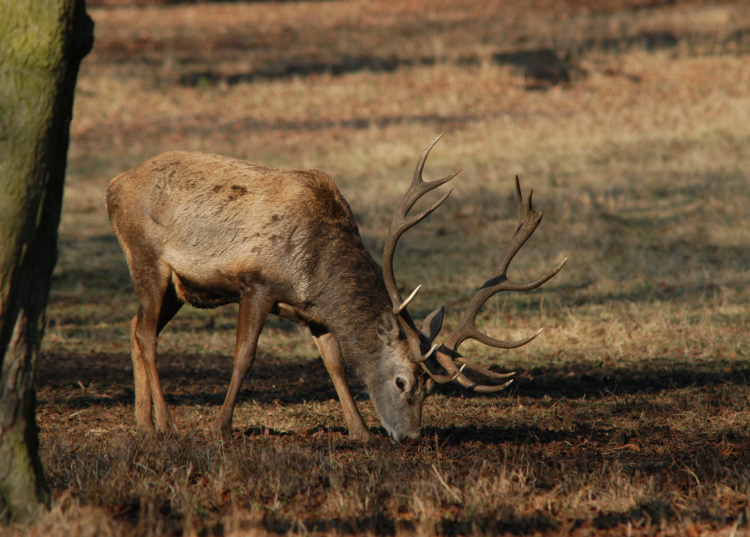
[{"x": 629, "y": 415}]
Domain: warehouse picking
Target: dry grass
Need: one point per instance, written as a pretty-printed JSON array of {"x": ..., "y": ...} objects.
[{"x": 629, "y": 415}]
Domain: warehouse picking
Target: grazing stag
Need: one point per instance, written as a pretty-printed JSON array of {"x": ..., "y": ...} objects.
[{"x": 211, "y": 230}]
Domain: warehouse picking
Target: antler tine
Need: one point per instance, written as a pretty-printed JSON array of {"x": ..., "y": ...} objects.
[
  {"x": 483, "y": 370},
  {"x": 489, "y": 389},
  {"x": 443, "y": 379},
  {"x": 464, "y": 381},
  {"x": 418, "y": 186},
  {"x": 500, "y": 344},
  {"x": 447, "y": 355}
]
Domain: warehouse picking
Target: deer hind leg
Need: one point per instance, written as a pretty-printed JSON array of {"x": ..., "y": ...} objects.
[
  {"x": 143, "y": 421},
  {"x": 158, "y": 304},
  {"x": 334, "y": 361},
  {"x": 255, "y": 305},
  {"x": 170, "y": 306}
]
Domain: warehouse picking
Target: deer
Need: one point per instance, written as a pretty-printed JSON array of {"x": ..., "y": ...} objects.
[{"x": 210, "y": 230}]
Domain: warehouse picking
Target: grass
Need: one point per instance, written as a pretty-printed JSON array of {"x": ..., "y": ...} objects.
[{"x": 629, "y": 415}]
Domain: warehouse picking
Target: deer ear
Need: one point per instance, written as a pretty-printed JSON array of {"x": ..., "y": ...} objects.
[
  {"x": 388, "y": 329},
  {"x": 432, "y": 325}
]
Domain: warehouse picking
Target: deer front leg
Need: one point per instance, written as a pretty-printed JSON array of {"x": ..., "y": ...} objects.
[
  {"x": 255, "y": 305},
  {"x": 334, "y": 361}
]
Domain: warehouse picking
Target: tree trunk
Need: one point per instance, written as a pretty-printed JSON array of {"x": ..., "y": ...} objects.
[{"x": 42, "y": 43}]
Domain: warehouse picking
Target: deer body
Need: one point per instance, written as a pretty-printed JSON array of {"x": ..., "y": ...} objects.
[
  {"x": 220, "y": 224},
  {"x": 210, "y": 230}
]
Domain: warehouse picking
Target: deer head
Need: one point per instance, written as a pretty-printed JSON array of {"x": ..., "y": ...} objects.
[{"x": 442, "y": 363}]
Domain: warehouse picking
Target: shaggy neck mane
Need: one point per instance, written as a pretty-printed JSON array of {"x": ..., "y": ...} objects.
[{"x": 355, "y": 297}]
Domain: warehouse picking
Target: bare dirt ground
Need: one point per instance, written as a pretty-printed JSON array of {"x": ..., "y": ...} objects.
[{"x": 630, "y": 415}]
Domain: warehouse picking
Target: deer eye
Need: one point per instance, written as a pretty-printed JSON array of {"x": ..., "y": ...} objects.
[{"x": 400, "y": 384}]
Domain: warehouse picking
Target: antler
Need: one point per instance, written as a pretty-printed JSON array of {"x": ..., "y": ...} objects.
[
  {"x": 399, "y": 225},
  {"x": 447, "y": 355}
]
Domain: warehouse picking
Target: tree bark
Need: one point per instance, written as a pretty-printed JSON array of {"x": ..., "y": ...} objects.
[{"x": 42, "y": 43}]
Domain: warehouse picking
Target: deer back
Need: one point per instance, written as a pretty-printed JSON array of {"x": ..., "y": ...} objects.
[{"x": 215, "y": 221}]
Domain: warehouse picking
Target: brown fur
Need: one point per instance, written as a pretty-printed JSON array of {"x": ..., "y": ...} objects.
[{"x": 210, "y": 230}]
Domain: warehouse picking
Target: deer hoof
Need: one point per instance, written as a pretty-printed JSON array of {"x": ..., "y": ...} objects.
[
  {"x": 146, "y": 428},
  {"x": 221, "y": 431},
  {"x": 166, "y": 429},
  {"x": 364, "y": 436}
]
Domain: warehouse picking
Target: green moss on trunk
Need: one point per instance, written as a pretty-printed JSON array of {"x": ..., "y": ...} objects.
[{"x": 42, "y": 43}]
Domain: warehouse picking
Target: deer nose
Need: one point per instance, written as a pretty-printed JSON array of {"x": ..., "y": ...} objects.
[
  {"x": 411, "y": 437},
  {"x": 397, "y": 438}
]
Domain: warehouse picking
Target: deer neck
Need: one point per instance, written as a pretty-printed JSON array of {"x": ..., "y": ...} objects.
[{"x": 351, "y": 304}]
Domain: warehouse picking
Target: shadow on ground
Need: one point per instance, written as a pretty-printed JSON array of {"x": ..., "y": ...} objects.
[
  {"x": 541, "y": 68},
  {"x": 88, "y": 379},
  {"x": 504, "y": 520}
]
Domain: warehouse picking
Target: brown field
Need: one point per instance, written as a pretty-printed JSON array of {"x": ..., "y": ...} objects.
[{"x": 630, "y": 415}]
